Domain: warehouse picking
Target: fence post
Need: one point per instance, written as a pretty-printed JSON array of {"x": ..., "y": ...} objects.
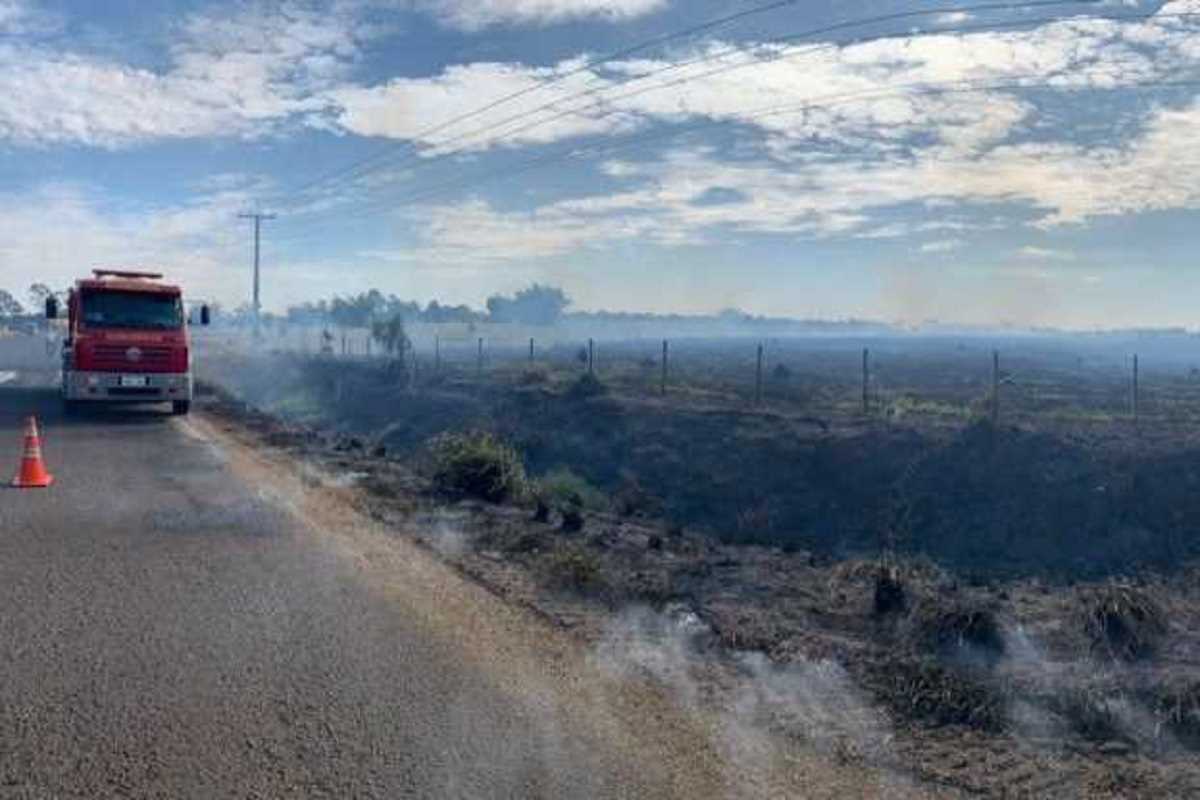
[
  {"x": 530, "y": 349},
  {"x": 866, "y": 381},
  {"x": 1135, "y": 388},
  {"x": 664, "y": 369},
  {"x": 480, "y": 364},
  {"x": 591, "y": 356},
  {"x": 995, "y": 387},
  {"x": 368, "y": 345},
  {"x": 758, "y": 376},
  {"x": 437, "y": 353}
]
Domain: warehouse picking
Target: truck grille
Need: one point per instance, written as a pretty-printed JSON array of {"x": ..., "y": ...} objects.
[
  {"x": 129, "y": 391},
  {"x": 114, "y": 357}
]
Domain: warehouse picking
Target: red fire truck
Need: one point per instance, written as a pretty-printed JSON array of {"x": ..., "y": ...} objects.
[{"x": 126, "y": 341}]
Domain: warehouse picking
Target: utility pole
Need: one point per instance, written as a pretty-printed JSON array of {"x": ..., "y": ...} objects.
[{"x": 258, "y": 218}]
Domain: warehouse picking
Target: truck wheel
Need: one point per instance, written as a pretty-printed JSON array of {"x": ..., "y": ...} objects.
[
  {"x": 70, "y": 407},
  {"x": 181, "y": 407}
]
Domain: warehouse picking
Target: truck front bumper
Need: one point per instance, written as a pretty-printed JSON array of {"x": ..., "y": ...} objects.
[{"x": 107, "y": 387}]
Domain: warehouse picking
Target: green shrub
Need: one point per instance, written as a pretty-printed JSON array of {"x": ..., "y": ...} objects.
[
  {"x": 562, "y": 489},
  {"x": 477, "y": 464}
]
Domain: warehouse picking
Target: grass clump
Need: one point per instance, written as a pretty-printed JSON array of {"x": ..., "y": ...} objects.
[
  {"x": 570, "y": 495},
  {"x": 928, "y": 692},
  {"x": 587, "y": 386},
  {"x": 1178, "y": 709},
  {"x": 1092, "y": 711},
  {"x": 890, "y": 595},
  {"x": 561, "y": 487},
  {"x": 534, "y": 376},
  {"x": 949, "y": 626},
  {"x": 1122, "y": 621},
  {"x": 477, "y": 464}
]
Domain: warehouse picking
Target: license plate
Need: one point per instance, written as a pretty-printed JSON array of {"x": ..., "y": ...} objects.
[{"x": 132, "y": 381}]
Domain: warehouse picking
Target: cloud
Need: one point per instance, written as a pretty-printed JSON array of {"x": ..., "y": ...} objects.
[
  {"x": 952, "y": 18},
  {"x": 943, "y": 246},
  {"x": 20, "y": 17},
  {"x": 474, "y": 15},
  {"x": 197, "y": 242},
  {"x": 875, "y": 98},
  {"x": 408, "y": 108},
  {"x": 1046, "y": 253},
  {"x": 239, "y": 75},
  {"x": 473, "y": 232}
]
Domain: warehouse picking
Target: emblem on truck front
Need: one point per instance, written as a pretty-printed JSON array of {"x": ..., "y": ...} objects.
[{"x": 134, "y": 354}]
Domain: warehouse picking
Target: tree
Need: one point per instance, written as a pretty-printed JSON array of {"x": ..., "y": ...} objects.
[
  {"x": 9, "y": 307},
  {"x": 536, "y": 305},
  {"x": 38, "y": 294},
  {"x": 356, "y": 311},
  {"x": 390, "y": 335}
]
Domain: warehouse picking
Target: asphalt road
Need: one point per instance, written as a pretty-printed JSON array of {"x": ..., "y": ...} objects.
[{"x": 171, "y": 627}]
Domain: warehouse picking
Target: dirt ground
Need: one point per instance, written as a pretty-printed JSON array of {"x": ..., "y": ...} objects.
[{"x": 979, "y": 672}]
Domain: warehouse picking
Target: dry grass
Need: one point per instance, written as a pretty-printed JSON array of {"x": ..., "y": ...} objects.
[
  {"x": 949, "y": 626},
  {"x": 1122, "y": 621},
  {"x": 1177, "y": 708},
  {"x": 574, "y": 567},
  {"x": 922, "y": 690},
  {"x": 1092, "y": 711}
]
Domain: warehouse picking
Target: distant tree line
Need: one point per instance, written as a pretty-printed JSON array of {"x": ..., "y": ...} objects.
[{"x": 535, "y": 305}]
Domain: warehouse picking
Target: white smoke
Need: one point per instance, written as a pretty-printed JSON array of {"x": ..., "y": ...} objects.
[{"x": 754, "y": 704}]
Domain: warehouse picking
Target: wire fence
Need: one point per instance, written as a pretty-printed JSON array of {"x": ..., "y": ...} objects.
[{"x": 944, "y": 380}]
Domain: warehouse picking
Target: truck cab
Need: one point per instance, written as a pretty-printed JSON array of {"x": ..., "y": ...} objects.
[{"x": 126, "y": 341}]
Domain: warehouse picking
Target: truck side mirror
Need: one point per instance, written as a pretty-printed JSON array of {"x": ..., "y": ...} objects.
[
  {"x": 51, "y": 308},
  {"x": 205, "y": 315}
]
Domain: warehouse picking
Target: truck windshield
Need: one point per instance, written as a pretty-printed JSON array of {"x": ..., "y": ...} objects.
[{"x": 132, "y": 310}]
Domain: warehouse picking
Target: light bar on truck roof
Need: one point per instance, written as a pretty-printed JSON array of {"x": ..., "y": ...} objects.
[{"x": 116, "y": 273}]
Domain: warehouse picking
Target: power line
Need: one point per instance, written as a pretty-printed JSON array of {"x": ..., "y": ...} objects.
[
  {"x": 577, "y": 110},
  {"x": 657, "y": 41},
  {"x": 920, "y": 89},
  {"x": 805, "y": 51},
  {"x": 408, "y": 150}
]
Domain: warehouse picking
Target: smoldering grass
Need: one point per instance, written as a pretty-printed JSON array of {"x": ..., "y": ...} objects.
[{"x": 816, "y": 702}]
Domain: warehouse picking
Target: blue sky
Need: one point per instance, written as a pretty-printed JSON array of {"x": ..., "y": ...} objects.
[{"x": 1036, "y": 165}]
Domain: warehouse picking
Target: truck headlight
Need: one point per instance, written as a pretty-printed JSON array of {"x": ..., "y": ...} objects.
[{"x": 93, "y": 380}]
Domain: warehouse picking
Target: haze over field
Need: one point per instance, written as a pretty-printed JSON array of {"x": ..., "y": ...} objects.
[{"x": 980, "y": 163}]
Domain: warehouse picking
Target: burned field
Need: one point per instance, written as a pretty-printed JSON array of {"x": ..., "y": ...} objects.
[{"x": 1016, "y": 595}]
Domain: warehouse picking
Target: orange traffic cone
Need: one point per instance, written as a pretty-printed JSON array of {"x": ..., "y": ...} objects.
[{"x": 32, "y": 474}]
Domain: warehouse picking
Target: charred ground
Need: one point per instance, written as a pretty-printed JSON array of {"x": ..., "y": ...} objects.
[{"x": 1015, "y": 597}]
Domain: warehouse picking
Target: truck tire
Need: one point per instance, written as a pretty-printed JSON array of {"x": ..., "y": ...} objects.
[
  {"x": 70, "y": 407},
  {"x": 181, "y": 407}
]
